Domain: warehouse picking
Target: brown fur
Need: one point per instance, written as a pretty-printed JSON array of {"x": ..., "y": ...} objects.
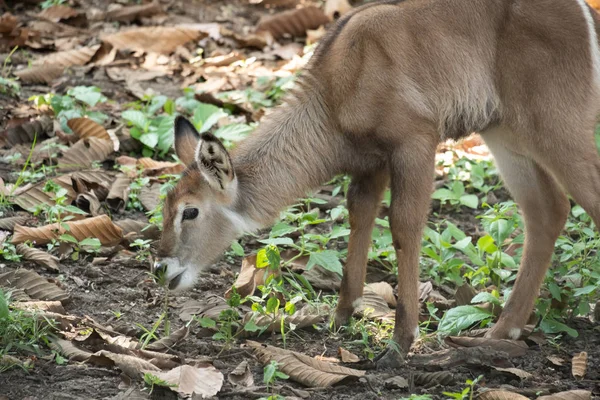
[{"x": 391, "y": 81}]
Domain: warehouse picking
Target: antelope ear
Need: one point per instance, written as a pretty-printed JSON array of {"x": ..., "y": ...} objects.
[
  {"x": 214, "y": 163},
  {"x": 186, "y": 140}
]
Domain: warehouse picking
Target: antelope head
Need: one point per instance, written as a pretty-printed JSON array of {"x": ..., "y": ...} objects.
[{"x": 199, "y": 223}]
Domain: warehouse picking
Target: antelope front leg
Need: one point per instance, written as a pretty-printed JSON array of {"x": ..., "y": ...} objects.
[
  {"x": 364, "y": 200},
  {"x": 412, "y": 171}
]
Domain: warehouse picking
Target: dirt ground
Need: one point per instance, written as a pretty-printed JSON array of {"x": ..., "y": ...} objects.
[{"x": 123, "y": 284}]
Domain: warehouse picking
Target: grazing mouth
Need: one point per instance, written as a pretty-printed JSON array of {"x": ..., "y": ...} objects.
[{"x": 175, "y": 281}]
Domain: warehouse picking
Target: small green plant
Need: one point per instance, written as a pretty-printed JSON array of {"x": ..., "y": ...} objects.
[
  {"x": 9, "y": 86},
  {"x": 271, "y": 374},
  {"x": 8, "y": 252},
  {"x": 454, "y": 193},
  {"x": 153, "y": 380},
  {"x": 151, "y": 334},
  {"x": 228, "y": 323},
  {"x": 135, "y": 189},
  {"x": 60, "y": 211},
  {"x": 79, "y": 101},
  {"x": 467, "y": 392},
  {"x": 143, "y": 248},
  {"x": 21, "y": 330},
  {"x": 87, "y": 245},
  {"x": 155, "y": 132}
]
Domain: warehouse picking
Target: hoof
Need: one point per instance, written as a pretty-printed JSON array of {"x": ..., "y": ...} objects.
[
  {"x": 390, "y": 358},
  {"x": 499, "y": 331}
]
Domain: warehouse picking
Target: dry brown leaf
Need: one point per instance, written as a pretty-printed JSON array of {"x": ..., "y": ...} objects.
[
  {"x": 39, "y": 257},
  {"x": 500, "y": 395},
  {"x": 223, "y": 60},
  {"x": 556, "y": 360},
  {"x": 347, "y": 356},
  {"x": 167, "y": 342},
  {"x": 85, "y": 128},
  {"x": 515, "y": 371},
  {"x": 514, "y": 348},
  {"x": 205, "y": 381},
  {"x": 150, "y": 197},
  {"x": 8, "y": 23},
  {"x": 132, "y": 13},
  {"x": 579, "y": 365},
  {"x": 431, "y": 379},
  {"x": 154, "y": 168},
  {"x": 155, "y": 39},
  {"x": 51, "y": 306},
  {"x": 384, "y": 290},
  {"x": 210, "y": 307},
  {"x": 83, "y": 154},
  {"x": 33, "y": 285},
  {"x": 89, "y": 203},
  {"x": 46, "y": 73},
  {"x": 26, "y": 132},
  {"x": 135, "y": 229},
  {"x": 29, "y": 198},
  {"x": 396, "y": 382},
  {"x": 68, "y": 58},
  {"x": 100, "y": 227},
  {"x": 241, "y": 375},
  {"x": 132, "y": 366},
  {"x": 270, "y": 323},
  {"x": 294, "y": 22},
  {"x": 464, "y": 294},
  {"x": 8, "y": 224},
  {"x": 58, "y": 12},
  {"x": 119, "y": 193},
  {"x": 250, "y": 277},
  {"x": 302, "y": 368},
  {"x": 569, "y": 395},
  {"x": 96, "y": 181},
  {"x": 69, "y": 350},
  {"x": 373, "y": 306}
]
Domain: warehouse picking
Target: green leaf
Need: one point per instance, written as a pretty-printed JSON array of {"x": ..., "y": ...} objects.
[
  {"x": 4, "y": 312},
  {"x": 281, "y": 229},
  {"x": 485, "y": 297},
  {"x": 136, "y": 118},
  {"x": 460, "y": 318},
  {"x": 273, "y": 305},
  {"x": 550, "y": 326},
  {"x": 269, "y": 372},
  {"x": 237, "y": 248},
  {"x": 149, "y": 139},
  {"x": 262, "y": 261},
  {"x": 554, "y": 290},
  {"x": 89, "y": 95},
  {"x": 285, "y": 241},
  {"x": 251, "y": 326},
  {"x": 206, "y": 115},
  {"x": 207, "y": 322},
  {"x": 442, "y": 194},
  {"x": 91, "y": 242},
  {"x": 233, "y": 132},
  {"x": 585, "y": 290},
  {"x": 75, "y": 210},
  {"x": 65, "y": 237},
  {"x": 486, "y": 244},
  {"x": 469, "y": 200},
  {"x": 327, "y": 259}
]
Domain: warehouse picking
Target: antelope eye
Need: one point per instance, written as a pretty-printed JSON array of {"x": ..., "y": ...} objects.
[{"x": 189, "y": 213}]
